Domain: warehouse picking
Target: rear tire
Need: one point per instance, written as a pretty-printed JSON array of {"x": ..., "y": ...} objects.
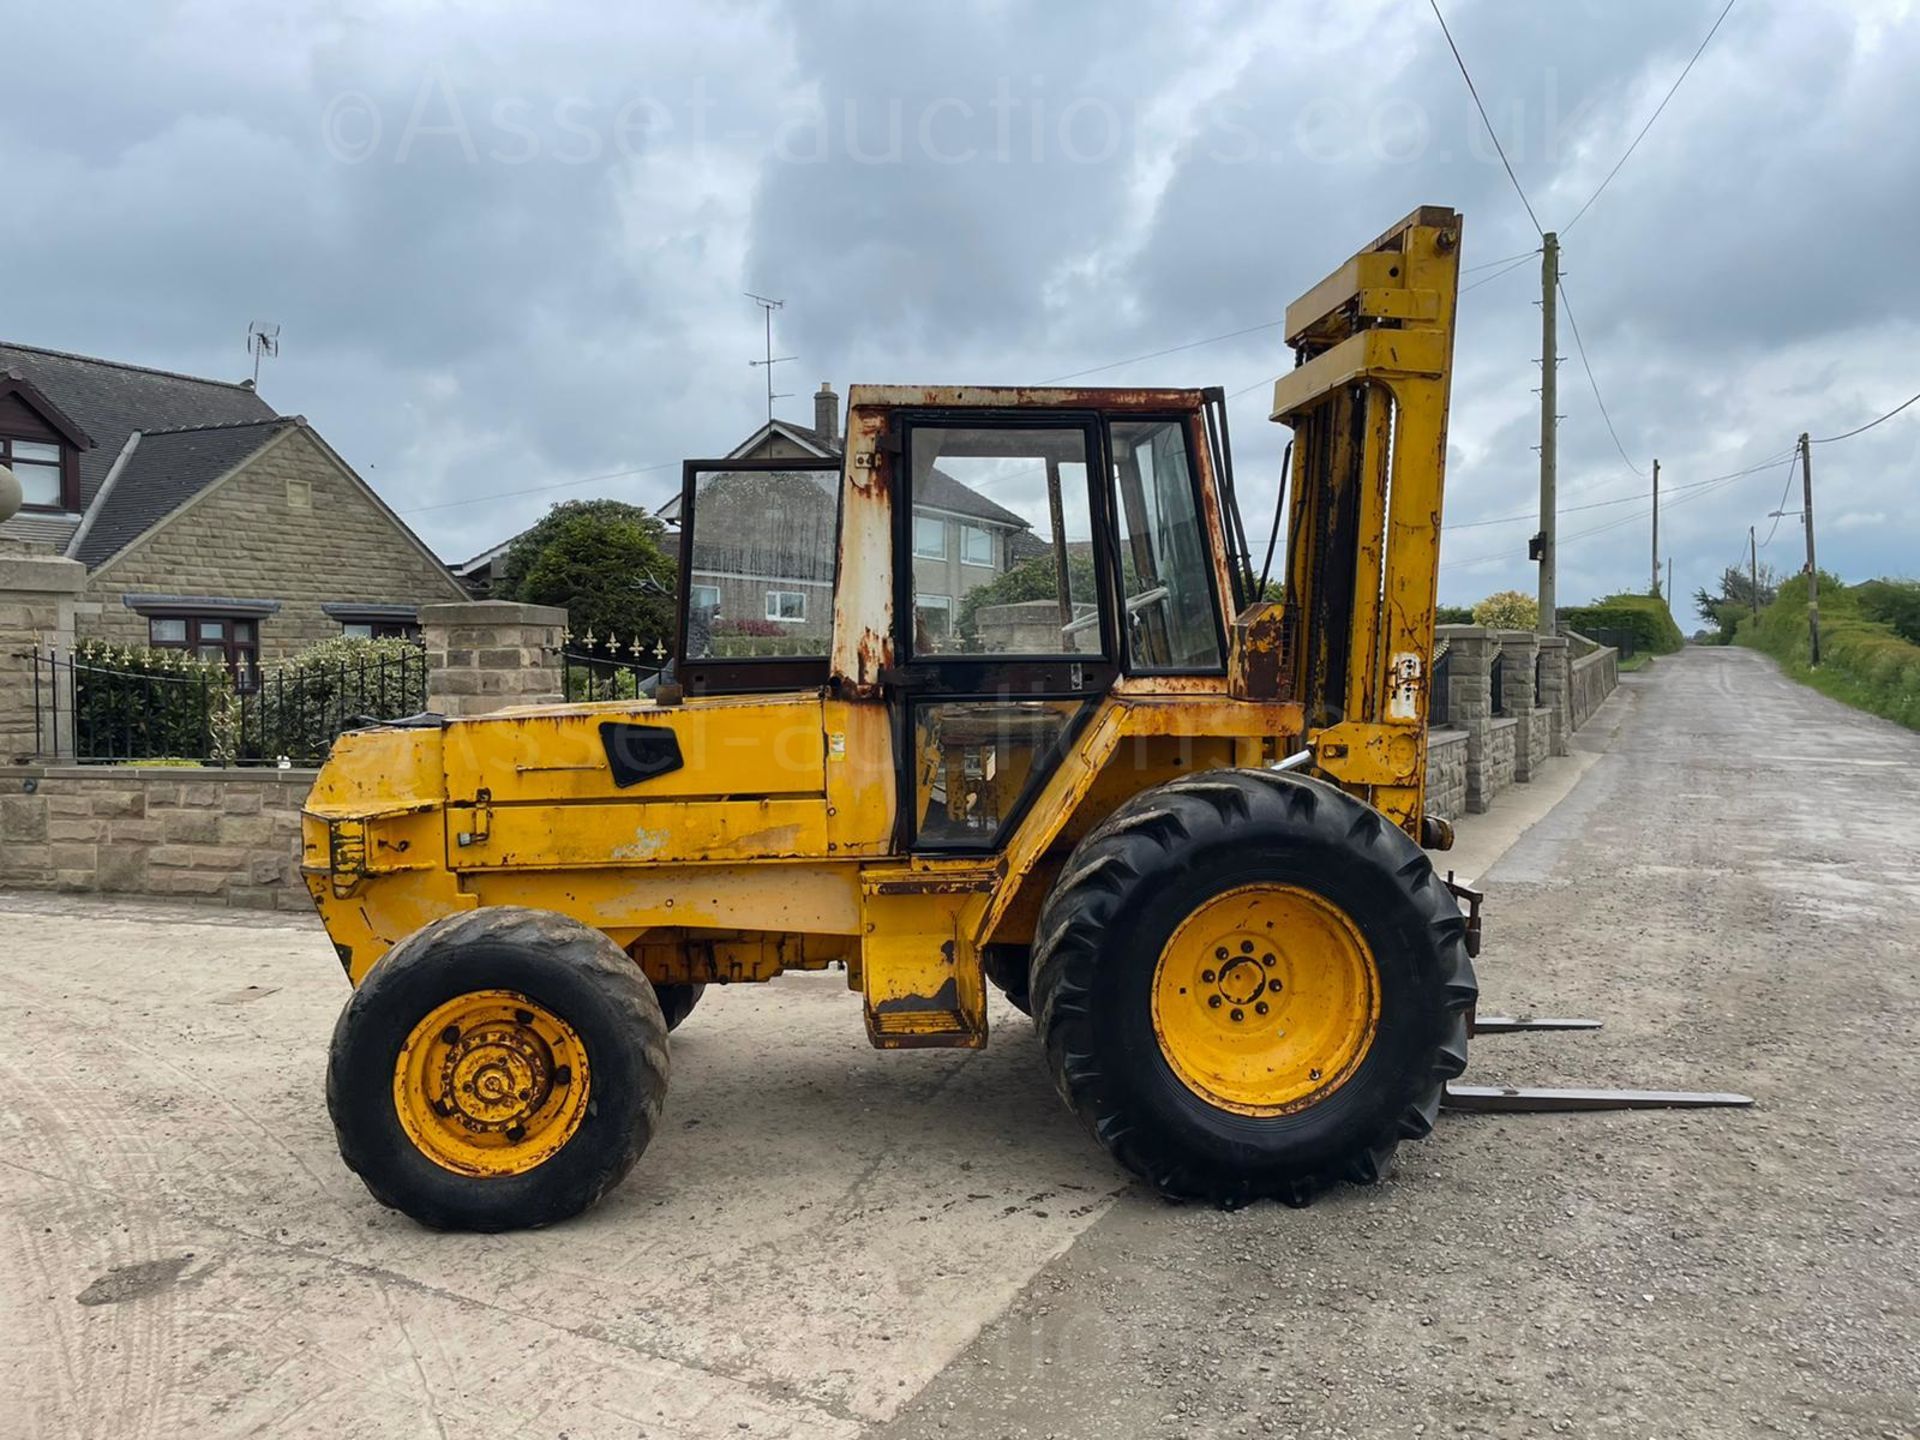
[
  {"x": 1364, "y": 1000},
  {"x": 497, "y": 1069},
  {"x": 1008, "y": 967},
  {"x": 677, "y": 1001}
]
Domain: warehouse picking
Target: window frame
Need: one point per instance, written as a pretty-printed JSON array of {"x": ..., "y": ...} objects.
[
  {"x": 1185, "y": 422},
  {"x": 971, "y": 673},
  {"x": 749, "y": 674},
  {"x": 934, "y": 601},
  {"x": 64, "y": 467},
  {"x": 242, "y": 657},
  {"x": 799, "y": 595},
  {"x": 968, "y": 529},
  {"x": 944, "y": 553},
  {"x": 698, "y": 585}
]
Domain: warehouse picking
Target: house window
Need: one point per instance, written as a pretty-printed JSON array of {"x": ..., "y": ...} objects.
[
  {"x": 930, "y": 537},
  {"x": 703, "y": 598},
  {"x": 38, "y": 466},
  {"x": 217, "y": 639},
  {"x": 380, "y": 630},
  {"x": 934, "y": 614},
  {"x": 976, "y": 545},
  {"x": 786, "y": 605}
]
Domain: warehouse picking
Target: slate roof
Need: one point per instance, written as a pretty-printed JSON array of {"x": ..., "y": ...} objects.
[
  {"x": 940, "y": 491},
  {"x": 109, "y": 401},
  {"x": 166, "y": 469}
]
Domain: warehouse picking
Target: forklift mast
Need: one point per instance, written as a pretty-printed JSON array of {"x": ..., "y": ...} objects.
[{"x": 1368, "y": 406}]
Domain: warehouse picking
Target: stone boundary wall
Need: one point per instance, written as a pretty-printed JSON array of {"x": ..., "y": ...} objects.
[
  {"x": 1447, "y": 773},
  {"x": 1544, "y": 697},
  {"x": 1593, "y": 679},
  {"x": 223, "y": 837}
]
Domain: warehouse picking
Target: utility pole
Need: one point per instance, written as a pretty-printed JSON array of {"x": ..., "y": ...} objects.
[
  {"x": 1669, "y": 581},
  {"x": 1813, "y": 572},
  {"x": 1656, "y": 529},
  {"x": 1549, "y": 422},
  {"x": 1753, "y": 571}
]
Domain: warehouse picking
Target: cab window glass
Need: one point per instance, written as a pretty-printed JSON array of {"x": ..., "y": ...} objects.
[
  {"x": 1001, "y": 542},
  {"x": 761, "y": 560},
  {"x": 1171, "y": 622}
]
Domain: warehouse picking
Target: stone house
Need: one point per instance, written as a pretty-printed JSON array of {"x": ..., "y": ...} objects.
[{"x": 206, "y": 521}]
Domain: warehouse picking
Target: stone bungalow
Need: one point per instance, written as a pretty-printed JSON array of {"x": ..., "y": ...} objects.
[{"x": 206, "y": 520}]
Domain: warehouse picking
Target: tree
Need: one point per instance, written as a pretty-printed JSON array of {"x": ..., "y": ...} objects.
[
  {"x": 1737, "y": 597},
  {"x": 1507, "y": 610},
  {"x": 604, "y": 561},
  {"x": 1035, "y": 579}
]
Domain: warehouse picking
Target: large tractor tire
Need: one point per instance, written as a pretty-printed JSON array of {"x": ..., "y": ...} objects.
[
  {"x": 1252, "y": 985},
  {"x": 497, "y": 1069}
]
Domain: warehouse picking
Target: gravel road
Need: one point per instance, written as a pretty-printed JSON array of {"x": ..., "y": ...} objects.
[
  {"x": 1734, "y": 887},
  {"x": 826, "y": 1241}
]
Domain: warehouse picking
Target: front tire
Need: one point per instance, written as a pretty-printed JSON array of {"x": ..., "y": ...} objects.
[
  {"x": 1252, "y": 985},
  {"x": 497, "y": 1069}
]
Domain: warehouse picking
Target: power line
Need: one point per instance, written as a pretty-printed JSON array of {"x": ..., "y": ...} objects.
[
  {"x": 1649, "y": 125},
  {"x": 1767, "y": 464},
  {"x": 1474, "y": 91},
  {"x": 1498, "y": 273},
  {"x": 1870, "y": 424},
  {"x": 1581, "y": 346},
  {"x": 1489, "y": 264},
  {"x": 1170, "y": 350},
  {"x": 1781, "y": 508},
  {"x": 541, "y": 489}
]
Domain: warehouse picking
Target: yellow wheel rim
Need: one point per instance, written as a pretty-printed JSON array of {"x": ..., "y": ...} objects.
[
  {"x": 1265, "y": 999},
  {"x": 491, "y": 1083}
]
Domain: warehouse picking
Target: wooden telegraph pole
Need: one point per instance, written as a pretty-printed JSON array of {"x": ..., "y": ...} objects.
[
  {"x": 1813, "y": 572},
  {"x": 1656, "y": 529},
  {"x": 1753, "y": 571},
  {"x": 1549, "y": 421}
]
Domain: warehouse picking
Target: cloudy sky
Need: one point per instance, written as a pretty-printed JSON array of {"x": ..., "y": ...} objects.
[{"x": 507, "y": 245}]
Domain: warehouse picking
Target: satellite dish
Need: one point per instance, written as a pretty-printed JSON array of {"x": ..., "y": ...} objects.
[{"x": 10, "y": 495}]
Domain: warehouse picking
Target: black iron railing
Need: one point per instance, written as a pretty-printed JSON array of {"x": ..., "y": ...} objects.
[
  {"x": 608, "y": 669},
  {"x": 103, "y": 706}
]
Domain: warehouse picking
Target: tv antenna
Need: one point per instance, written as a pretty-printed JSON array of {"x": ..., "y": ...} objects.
[
  {"x": 769, "y": 306},
  {"x": 262, "y": 339}
]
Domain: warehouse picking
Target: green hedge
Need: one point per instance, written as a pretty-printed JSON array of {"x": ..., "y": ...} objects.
[
  {"x": 1864, "y": 661},
  {"x": 1644, "y": 617}
]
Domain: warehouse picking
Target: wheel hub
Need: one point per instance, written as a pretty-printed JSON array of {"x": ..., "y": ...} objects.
[
  {"x": 491, "y": 1083},
  {"x": 1265, "y": 999}
]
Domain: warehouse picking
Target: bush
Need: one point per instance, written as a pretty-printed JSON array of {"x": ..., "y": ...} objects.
[
  {"x": 1644, "y": 617},
  {"x": 1452, "y": 615},
  {"x": 1865, "y": 661},
  {"x": 1035, "y": 579},
  {"x": 1893, "y": 603},
  {"x": 1507, "y": 610},
  {"x": 303, "y": 703},
  {"x": 132, "y": 702}
]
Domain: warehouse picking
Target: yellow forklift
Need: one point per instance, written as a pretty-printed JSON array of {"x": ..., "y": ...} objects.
[{"x": 1088, "y": 761}]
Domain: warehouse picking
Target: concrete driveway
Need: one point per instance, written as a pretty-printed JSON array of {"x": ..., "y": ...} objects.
[{"x": 828, "y": 1241}]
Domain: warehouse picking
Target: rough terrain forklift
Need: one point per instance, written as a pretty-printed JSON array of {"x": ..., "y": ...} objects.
[{"x": 1087, "y": 760}]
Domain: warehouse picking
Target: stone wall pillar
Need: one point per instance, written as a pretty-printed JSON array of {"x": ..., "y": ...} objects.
[
  {"x": 1517, "y": 651},
  {"x": 487, "y": 655},
  {"x": 36, "y": 616},
  {"x": 1470, "y": 652},
  {"x": 1556, "y": 695}
]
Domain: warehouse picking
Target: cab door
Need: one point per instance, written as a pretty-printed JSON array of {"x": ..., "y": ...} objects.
[{"x": 1004, "y": 627}]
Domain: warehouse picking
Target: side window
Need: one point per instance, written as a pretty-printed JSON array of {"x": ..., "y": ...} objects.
[
  {"x": 1171, "y": 620},
  {"x": 1031, "y": 594},
  {"x": 760, "y": 555},
  {"x": 974, "y": 760}
]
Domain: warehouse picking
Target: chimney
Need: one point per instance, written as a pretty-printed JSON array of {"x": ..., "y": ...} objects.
[{"x": 826, "y": 412}]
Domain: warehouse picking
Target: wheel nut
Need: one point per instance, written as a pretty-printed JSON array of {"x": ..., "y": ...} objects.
[
  {"x": 1274, "y": 986},
  {"x": 523, "y": 1017},
  {"x": 1267, "y": 960},
  {"x": 1238, "y": 1014},
  {"x": 1206, "y": 977},
  {"x": 449, "y": 1035},
  {"x": 1213, "y": 1002},
  {"x": 1260, "y": 1007},
  {"x": 517, "y": 1133},
  {"x": 1246, "y": 947},
  {"x": 1220, "y": 952},
  {"x": 563, "y": 1074}
]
